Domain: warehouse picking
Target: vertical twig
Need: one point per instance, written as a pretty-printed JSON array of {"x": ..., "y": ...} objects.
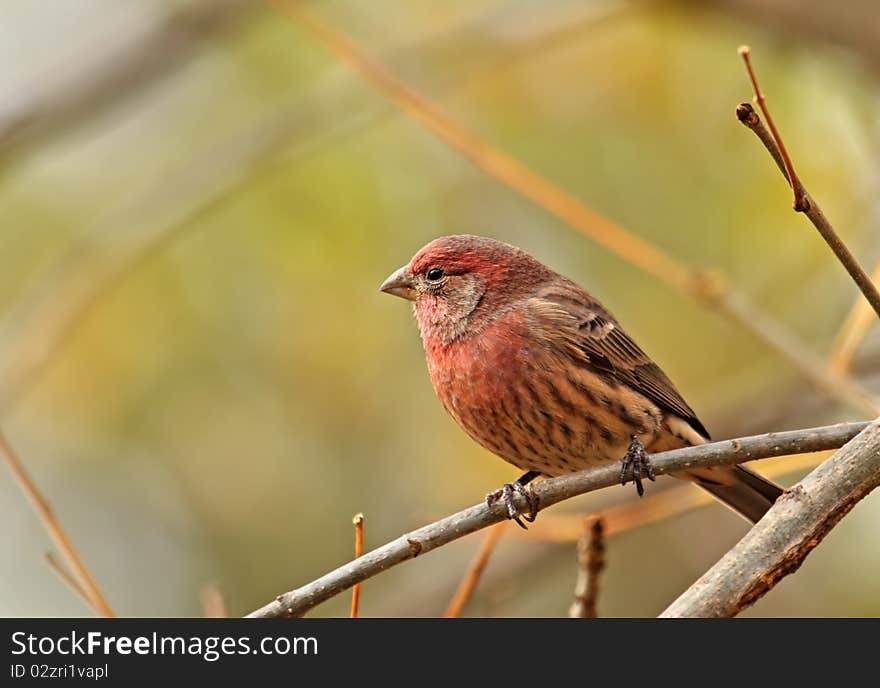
[
  {"x": 358, "y": 521},
  {"x": 591, "y": 561},
  {"x": 86, "y": 582},
  {"x": 213, "y": 602},
  {"x": 788, "y": 168},
  {"x": 803, "y": 201},
  {"x": 474, "y": 572}
]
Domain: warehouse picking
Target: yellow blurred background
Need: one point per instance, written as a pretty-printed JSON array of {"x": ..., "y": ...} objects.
[{"x": 198, "y": 203}]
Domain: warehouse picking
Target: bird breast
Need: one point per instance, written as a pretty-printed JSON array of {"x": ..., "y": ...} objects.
[{"x": 532, "y": 405}]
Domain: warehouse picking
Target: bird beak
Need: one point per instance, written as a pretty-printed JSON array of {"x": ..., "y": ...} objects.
[{"x": 400, "y": 284}]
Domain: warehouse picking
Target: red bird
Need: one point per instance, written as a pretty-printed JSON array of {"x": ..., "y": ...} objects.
[{"x": 538, "y": 372}]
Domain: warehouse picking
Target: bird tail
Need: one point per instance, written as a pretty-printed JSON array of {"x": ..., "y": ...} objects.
[{"x": 743, "y": 490}]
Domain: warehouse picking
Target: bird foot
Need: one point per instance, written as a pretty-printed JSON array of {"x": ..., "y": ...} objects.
[
  {"x": 506, "y": 493},
  {"x": 637, "y": 460}
]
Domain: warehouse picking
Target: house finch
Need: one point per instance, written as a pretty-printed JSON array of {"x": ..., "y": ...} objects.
[{"x": 538, "y": 372}]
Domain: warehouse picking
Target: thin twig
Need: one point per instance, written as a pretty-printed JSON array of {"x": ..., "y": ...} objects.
[
  {"x": 68, "y": 579},
  {"x": 803, "y": 201},
  {"x": 551, "y": 491},
  {"x": 213, "y": 602},
  {"x": 707, "y": 288},
  {"x": 852, "y": 332},
  {"x": 591, "y": 561},
  {"x": 778, "y": 544},
  {"x": 358, "y": 521},
  {"x": 53, "y": 526},
  {"x": 788, "y": 168},
  {"x": 475, "y": 571}
]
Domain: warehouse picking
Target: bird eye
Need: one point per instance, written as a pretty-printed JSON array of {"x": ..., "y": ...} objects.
[{"x": 434, "y": 274}]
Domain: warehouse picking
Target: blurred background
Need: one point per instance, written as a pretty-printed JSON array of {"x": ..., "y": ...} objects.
[{"x": 198, "y": 203}]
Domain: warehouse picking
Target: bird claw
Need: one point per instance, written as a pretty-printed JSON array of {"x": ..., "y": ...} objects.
[
  {"x": 637, "y": 459},
  {"x": 506, "y": 494}
]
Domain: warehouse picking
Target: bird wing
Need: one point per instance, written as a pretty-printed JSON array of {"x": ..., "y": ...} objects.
[{"x": 594, "y": 338}]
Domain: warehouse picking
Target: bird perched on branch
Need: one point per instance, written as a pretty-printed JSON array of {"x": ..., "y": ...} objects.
[{"x": 538, "y": 372}]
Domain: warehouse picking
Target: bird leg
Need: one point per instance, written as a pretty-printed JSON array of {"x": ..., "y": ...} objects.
[
  {"x": 517, "y": 487},
  {"x": 636, "y": 458}
]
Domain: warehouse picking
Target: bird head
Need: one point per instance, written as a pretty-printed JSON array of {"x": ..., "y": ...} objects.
[{"x": 459, "y": 283}]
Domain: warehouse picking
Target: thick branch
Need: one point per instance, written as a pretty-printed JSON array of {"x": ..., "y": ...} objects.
[
  {"x": 410, "y": 545},
  {"x": 780, "y": 541}
]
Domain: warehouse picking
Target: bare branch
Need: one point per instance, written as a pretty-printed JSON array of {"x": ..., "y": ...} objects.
[
  {"x": 787, "y": 166},
  {"x": 358, "y": 522},
  {"x": 778, "y": 544},
  {"x": 591, "y": 561},
  {"x": 551, "y": 491},
  {"x": 803, "y": 201},
  {"x": 85, "y": 581},
  {"x": 475, "y": 571}
]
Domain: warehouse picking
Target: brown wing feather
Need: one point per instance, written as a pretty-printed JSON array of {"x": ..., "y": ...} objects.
[{"x": 603, "y": 345}]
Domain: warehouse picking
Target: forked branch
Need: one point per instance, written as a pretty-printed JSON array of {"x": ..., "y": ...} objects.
[
  {"x": 551, "y": 491},
  {"x": 778, "y": 544}
]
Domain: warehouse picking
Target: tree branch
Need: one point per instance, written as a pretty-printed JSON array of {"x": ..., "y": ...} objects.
[
  {"x": 803, "y": 201},
  {"x": 84, "y": 579},
  {"x": 551, "y": 491},
  {"x": 778, "y": 544}
]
